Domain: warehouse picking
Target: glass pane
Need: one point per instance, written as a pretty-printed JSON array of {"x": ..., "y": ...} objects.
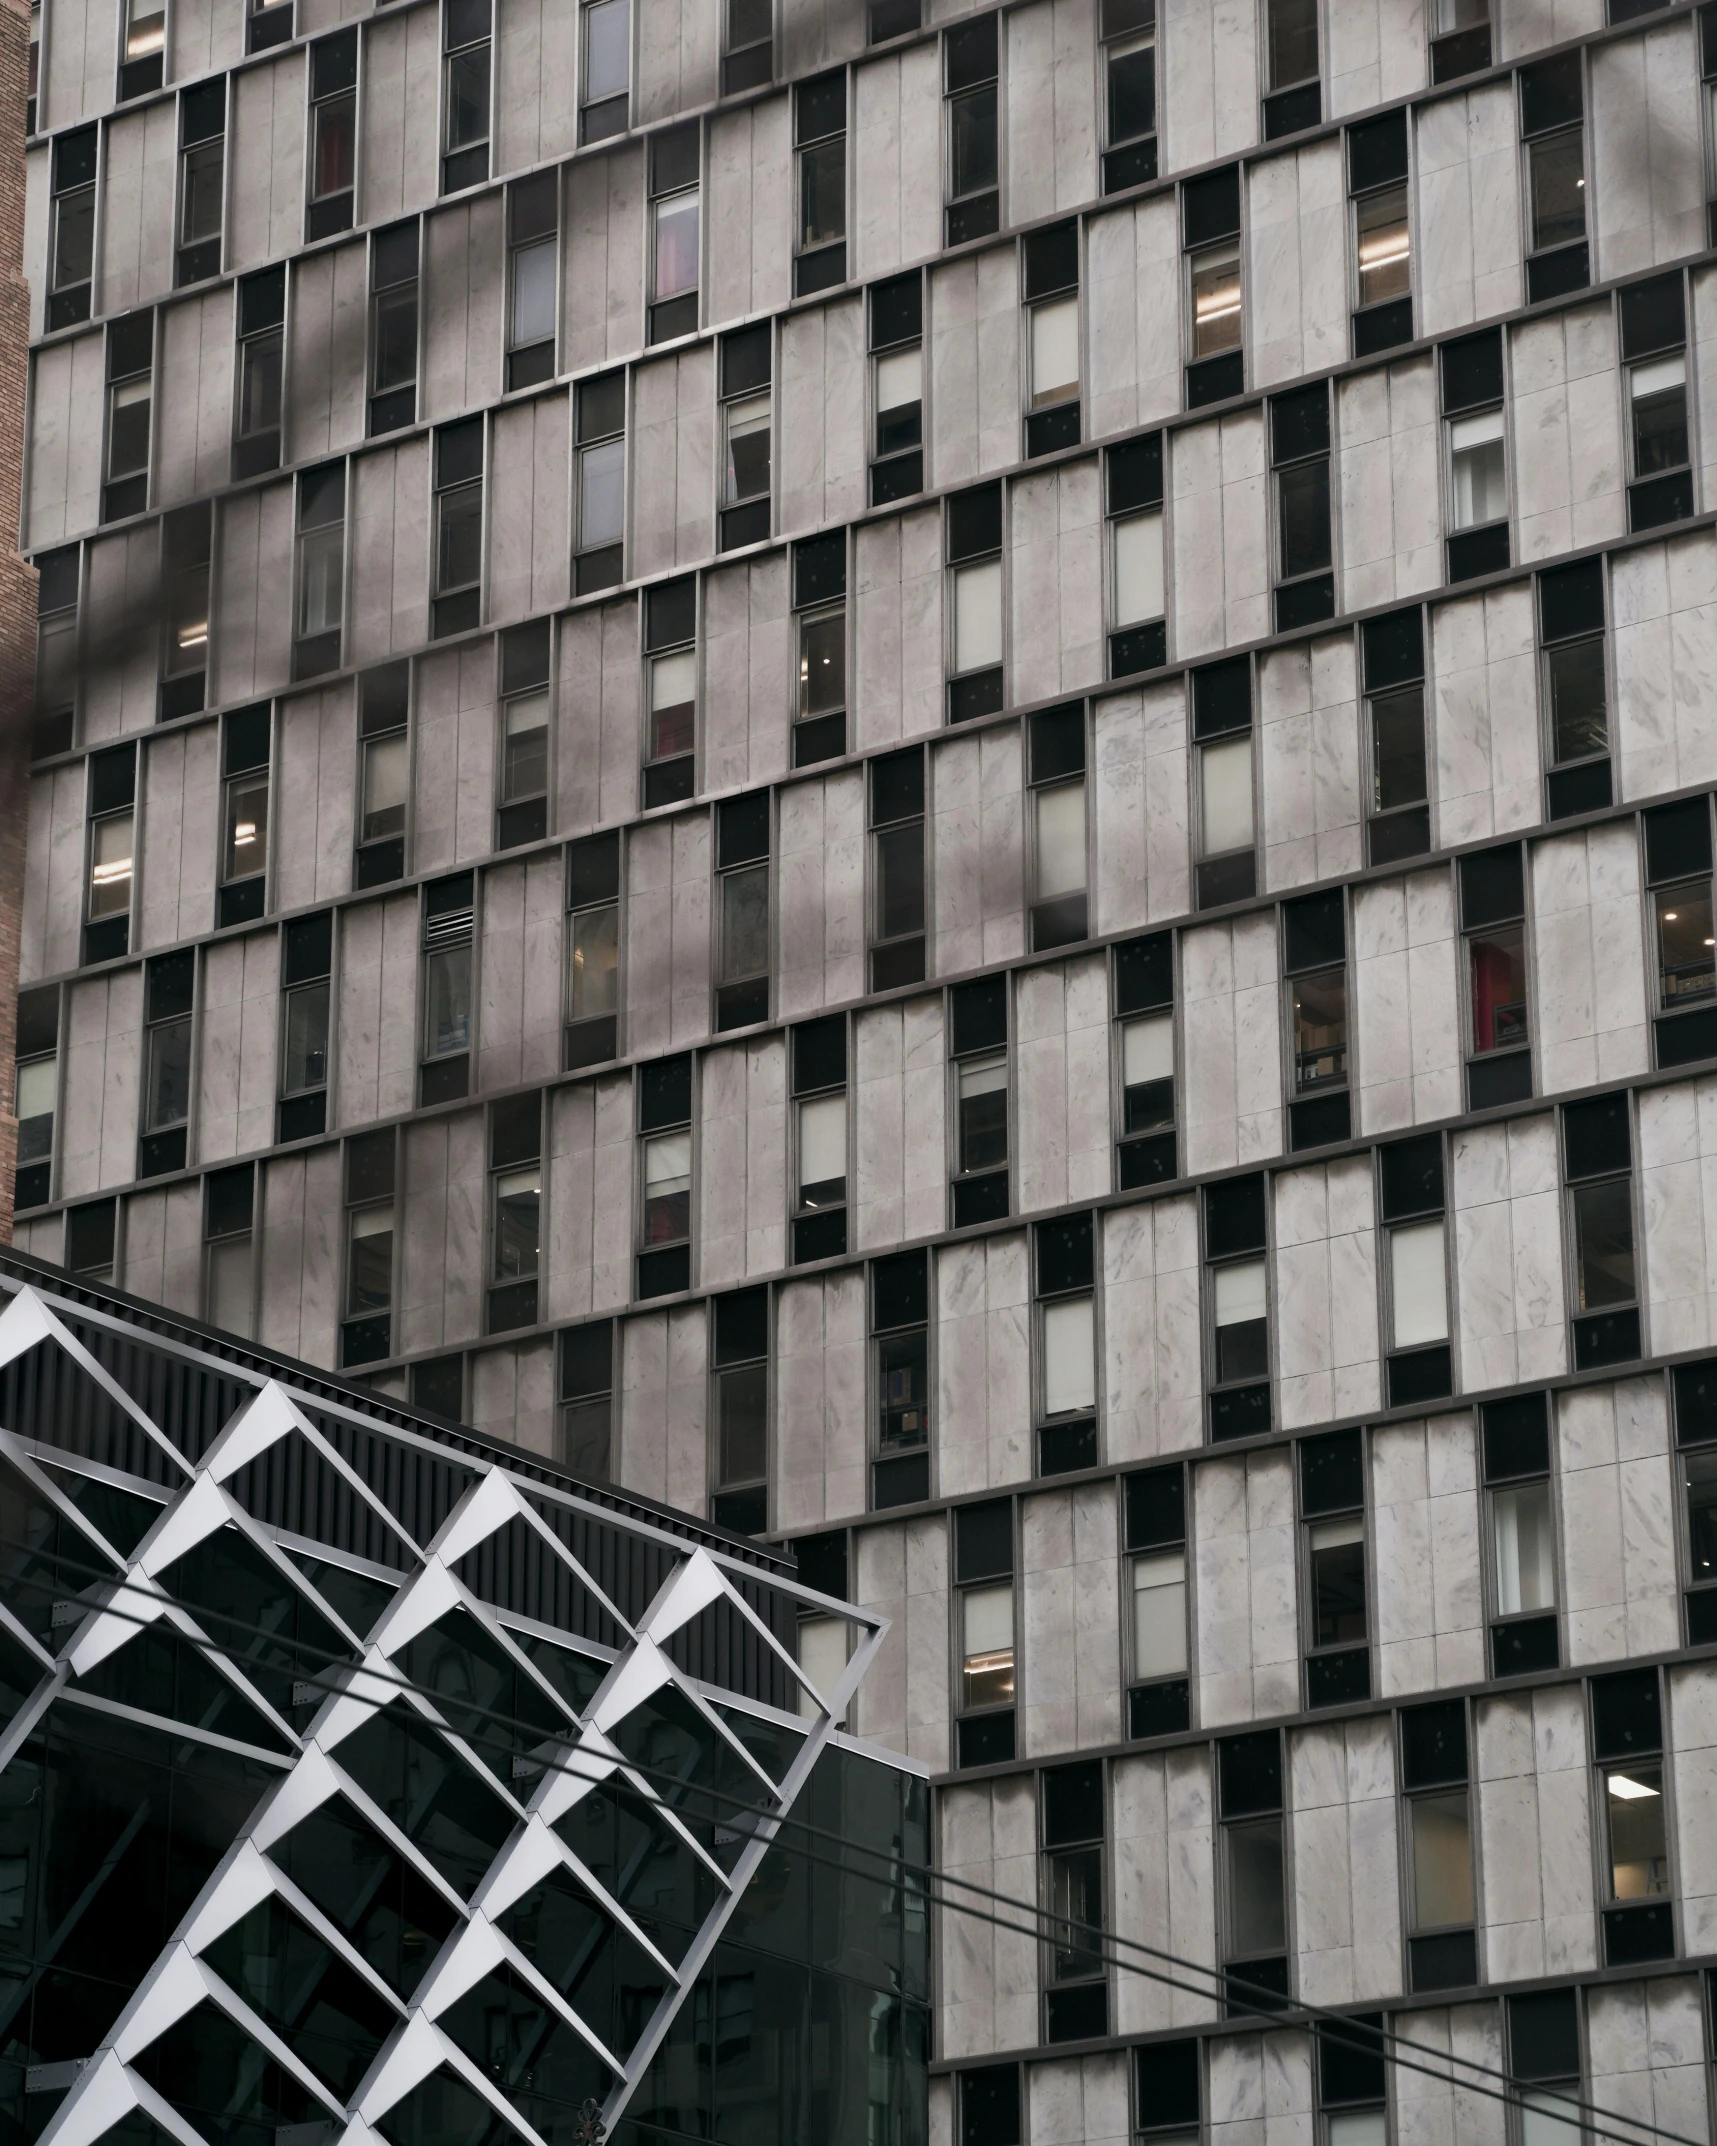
[
  {"x": 387, "y": 769},
  {"x": 823, "y": 1151},
  {"x": 1302, "y": 501},
  {"x": 468, "y": 97},
  {"x": 593, "y": 979},
  {"x": 1398, "y": 749},
  {"x": 1639, "y": 1850},
  {"x": 983, "y": 1113},
  {"x": 673, "y": 682},
  {"x": 899, "y": 399},
  {"x": 1159, "y": 1615},
  {"x": 1054, "y": 353},
  {"x": 744, "y": 923},
  {"x": 676, "y": 246},
  {"x": 1147, "y": 1049},
  {"x": 396, "y": 337},
  {"x": 74, "y": 237},
  {"x": 1525, "y": 1562},
  {"x": 447, "y": 995},
  {"x": 110, "y": 866},
  {"x": 229, "y": 1290},
  {"x": 978, "y": 616},
  {"x": 321, "y": 576},
  {"x": 1241, "y": 1321},
  {"x": 1499, "y": 989},
  {"x": 533, "y": 292},
  {"x": 1069, "y": 1356},
  {"x": 607, "y": 49},
  {"x": 245, "y": 847},
  {"x": 742, "y": 1410},
  {"x": 306, "y": 1053},
  {"x": 1240, "y": 1292},
  {"x": 1417, "y": 1286},
  {"x": 1579, "y": 717},
  {"x": 1132, "y": 89},
  {"x": 168, "y": 1100},
  {"x": 971, "y": 142},
  {"x": 987, "y": 1646},
  {"x": 903, "y": 1381},
  {"x": 369, "y": 1261},
  {"x": 602, "y": 494},
  {"x": 1477, "y": 470},
  {"x": 823, "y": 192},
  {"x": 203, "y": 194},
  {"x": 900, "y": 880},
  {"x": 1255, "y": 1918},
  {"x": 1076, "y": 1903},
  {"x": 128, "y": 426},
  {"x": 459, "y": 554},
  {"x": 1320, "y": 1028},
  {"x": 1293, "y": 41},
  {"x": 1383, "y": 245},
  {"x": 1138, "y": 569},
  {"x": 1225, "y": 796},
  {"x": 1558, "y": 189},
  {"x": 1215, "y": 301},
  {"x": 1442, "y": 1861},
  {"x": 823, "y": 664},
  {"x": 1358, "y": 2127},
  {"x": 518, "y": 1210},
  {"x": 36, "y": 1093},
  {"x": 1060, "y": 840},
  {"x": 259, "y": 387},
  {"x": 1660, "y": 417},
  {"x": 524, "y": 754},
  {"x": 333, "y": 161},
  {"x": 1337, "y": 1551},
  {"x": 1604, "y": 1243},
  {"x": 748, "y": 429},
  {"x": 1701, "y": 1481},
  {"x": 667, "y": 1187}
]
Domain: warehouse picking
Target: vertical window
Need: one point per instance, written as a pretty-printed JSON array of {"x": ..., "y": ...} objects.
[
  {"x": 601, "y": 482},
  {"x": 1627, "y": 1746},
  {"x": 1544, "y": 2053},
  {"x": 593, "y": 950},
  {"x": 1398, "y": 810},
  {"x": 1695, "y": 1390},
  {"x": 1493, "y": 924},
  {"x": 1133, "y": 476},
  {"x": 897, "y": 388},
  {"x": 1460, "y": 38},
  {"x": 366, "y": 1325},
  {"x": 1552, "y": 127},
  {"x": 1067, "y": 1345},
  {"x": 1294, "y": 100},
  {"x": 978, "y": 1017},
  {"x": 306, "y": 1014},
  {"x": 229, "y": 1276},
  {"x": 1442, "y": 1948},
  {"x": 384, "y": 773},
  {"x": 1654, "y": 351},
  {"x": 974, "y": 540},
  {"x": 112, "y": 833},
  {"x": 1708, "y": 97},
  {"x": 897, "y": 869},
  {"x": 820, "y": 1138},
  {"x": 1314, "y": 963},
  {"x": 1159, "y": 1696},
  {"x": 675, "y": 159},
  {"x": 1076, "y": 1989},
  {"x": 1515, "y": 1443},
  {"x": 892, "y": 18},
  {"x": 449, "y": 921},
  {"x": 742, "y": 911},
  {"x": 1678, "y": 872},
  {"x": 1237, "y": 1301},
  {"x": 739, "y": 1355},
  {"x": 466, "y": 27},
  {"x": 1597, "y": 1150},
  {"x": 746, "y": 429},
  {"x": 515, "y": 1210},
  {"x": 245, "y": 754},
  {"x": 671, "y": 666},
  {"x": 438, "y": 1385},
  {"x": 533, "y": 278},
  {"x": 1144, "y": 1044},
  {"x": 169, "y": 989},
  {"x": 747, "y": 48},
  {"x": 665, "y": 1161},
  {"x": 820, "y": 614},
  {"x": 522, "y": 813},
  {"x": 971, "y": 95},
  {"x": 1222, "y": 765},
  {"x": 607, "y": 72},
  {"x": 458, "y": 527},
  {"x": 900, "y": 1351},
  {"x": 1382, "y": 235},
  {"x": 1411, "y": 1200},
  {"x": 1129, "y": 64},
  {"x": 71, "y": 245},
  {"x": 54, "y": 725},
  {"x": 1575, "y": 687},
  {"x": 1477, "y": 459},
  {"x": 333, "y": 134},
  {"x": 1332, "y": 1526},
  {"x": 1253, "y": 1889},
  {"x": 984, "y": 1632},
  {"x": 261, "y": 371},
  {"x": 587, "y": 1400},
  {"x": 1210, "y": 235},
  {"x": 268, "y": 25},
  {"x": 35, "y": 1099},
  {"x": 130, "y": 405},
  {"x": 1050, "y": 276},
  {"x": 393, "y": 328},
  {"x": 202, "y": 180},
  {"x": 823, "y": 1640},
  {"x": 1299, "y": 460},
  {"x": 1351, "y": 2083},
  {"x": 321, "y": 566},
  {"x": 820, "y": 140},
  {"x": 145, "y": 48},
  {"x": 185, "y": 535},
  {"x": 1057, "y": 749},
  {"x": 1168, "y": 2094},
  {"x": 33, "y": 68},
  {"x": 90, "y": 1236}
]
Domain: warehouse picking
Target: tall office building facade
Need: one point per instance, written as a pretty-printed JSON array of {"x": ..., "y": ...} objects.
[{"x": 941, "y": 780}]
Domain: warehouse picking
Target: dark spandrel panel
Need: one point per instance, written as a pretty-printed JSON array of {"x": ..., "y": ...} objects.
[
  {"x": 395, "y": 1919},
  {"x": 710, "y": 1786},
  {"x": 1159, "y": 1709},
  {"x": 357, "y": 1597},
  {"x": 1444, "y": 1962},
  {"x": 483, "y": 1695},
  {"x": 44, "y": 1558},
  {"x": 1645, "y": 1931}
]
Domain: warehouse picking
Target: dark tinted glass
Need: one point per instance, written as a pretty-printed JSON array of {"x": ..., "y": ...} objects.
[
  {"x": 1544, "y": 2035},
  {"x": 1210, "y": 206},
  {"x": 664, "y": 1093},
  {"x": 1654, "y": 316},
  {"x": 1595, "y": 1138},
  {"x": 1156, "y": 1508},
  {"x": 1234, "y": 1216},
  {"x": 593, "y": 870},
  {"x": 1492, "y": 887},
  {"x": 1434, "y": 1744},
  {"x": 899, "y": 1291},
  {"x": 670, "y": 615},
  {"x": 1168, "y": 2084},
  {"x": 974, "y": 522},
  {"x": 1249, "y": 1772},
  {"x": 1551, "y": 94},
  {"x": 1052, "y": 260},
  {"x": 1394, "y": 649},
  {"x": 984, "y": 1540},
  {"x": 1058, "y": 742},
  {"x": 1314, "y": 931},
  {"x": 1064, "y": 1255},
  {"x": 980, "y": 1015},
  {"x": 896, "y": 311},
  {"x": 1135, "y": 474},
  {"x": 897, "y": 787},
  {"x": 819, "y": 1054},
  {"x": 1411, "y": 1172},
  {"x": 1678, "y": 840},
  {"x": 822, "y": 1561},
  {"x": 1516, "y": 1437},
  {"x": 369, "y": 1167},
  {"x": 1350, "y": 2059},
  {"x": 989, "y": 2106},
  {"x": 1144, "y": 973},
  {"x": 1627, "y": 1718},
  {"x": 309, "y": 949},
  {"x": 1299, "y": 424},
  {"x": 1332, "y": 1473},
  {"x": 820, "y": 570},
  {"x": 1571, "y": 600},
  {"x": 1377, "y": 153},
  {"x": 741, "y": 1326},
  {"x": 1072, "y": 1803},
  {"x": 1472, "y": 371},
  {"x": 1222, "y": 697}
]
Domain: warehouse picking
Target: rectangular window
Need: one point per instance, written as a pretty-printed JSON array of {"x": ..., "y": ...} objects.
[
  {"x": 1678, "y": 872},
  {"x": 739, "y": 1412},
  {"x": 892, "y": 18},
  {"x": 1129, "y": 64},
  {"x": 1314, "y": 964},
  {"x": 306, "y": 984},
  {"x": 900, "y": 1364},
  {"x": 333, "y": 135},
  {"x": 1544, "y": 2050},
  {"x": 978, "y": 1021},
  {"x": 1597, "y": 1151},
  {"x": 1653, "y": 319},
  {"x": 1294, "y": 100},
  {"x": 229, "y": 1266},
  {"x": 1411, "y": 1201},
  {"x": 1300, "y": 465},
  {"x": 820, "y": 140},
  {"x": 742, "y": 911},
  {"x": 1252, "y": 1871},
  {"x": 897, "y": 908},
  {"x": 1382, "y": 234},
  {"x": 169, "y": 989},
  {"x": 1237, "y": 1306},
  {"x": 1627, "y": 1746},
  {"x": 984, "y": 1632},
  {"x": 593, "y": 950},
  {"x": 972, "y": 99},
  {"x": 533, "y": 278},
  {"x": 185, "y": 548},
  {"x": 1064, "y": 1262},
  {"x": 71, "y": 243},
  {"x": 1515, "y": 1451},
  {"x": 58, "y": 574},
  {"x": 1332, "y": 1523},
  {"x": 746, "y": 431},
  {"x": 130, "y": 407},
  {"x": 587, "y": 1400},
  {"x": 521, "y": 790},
  {"x": 384, "y": 773},
  {"x": 820, "y": 615},
  {"x": 35, "y": 1099},
  {"x": 1460, "y": 38},
  {"x": 242, "y": 893},
  {"x": 458, "y": 604},
  {"x": 1058, "y": 838},
  {"x": 1708, "y": 98},
  {"x": 268, "y": 25},
  {"x": 90, "y": 1239},
  {"x": 1552, "y": 129},
  {"x": 607, "y": 72},
  {"x": 1477, "y": 460},
  {"x": 112, "y": 835},
  {"x": 1210, "y": 236},
  {"x": 438, "y": 1385},
  {"x": 823, "y": 1640},
  {"x": 1133, "y": 483},
  {"x": 261, "y": 372},
  {"x": 1442, "y": 1951},
  {"x": 1398, "y": 811},
  {"x": 393, "y": 327},
  {"x": 675, "y": 208},
  {"x": 1352, "y": 2086},
  {"x": 747, "y": 51},
  {"x": 1143, "y": 983},
  {"x": 145, "y": 23},
  {"x": 973, "y": 525},
  {"x": 897, "y": 388},
  {"x": 1493, "y": 925},
  {"x": 202, "y": 180},
  {"x": 1049, "y": 260},
  {"x": 1575, "y": 687},
  {"x": 665, "y": 1163},
  {"x": 321, "y": 570},
  {"x": 515, "y": 1211},
  {"x": 449, "y": 930},
  {"x": 466, "y": 28},
  {"x": 1158, "y": 1698},
  {"x": 366, "y": 1325},
  {"x": 1076, "y": 1990},
  {"x": 601, "y": 483},
  {"x": 1695, "y": 1390},
  {"x": 33, "y": 68},
  {"x": 671, "y": 667},
  {"x": 1222, "y": 763},
  {"x": 819, "y": 1059}
]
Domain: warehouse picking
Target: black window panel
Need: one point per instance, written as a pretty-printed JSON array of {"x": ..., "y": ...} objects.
[
  {"x": 309, "y": 950},
  {"x": 665, "y": 1093},
  {"x": 1210, "y": 207},
  {"x": 899, "y": 1292},
  {"x": 57, "y": 589},
  {"x": 1571, "y": 601},
  {"x": 1708, "y": 42},
  {"x": 203, "y": 112},
  {"x": 1299, "y": 424},
  {"x": 1516, "y": 1437},
  {"x": 1544, "y": 2035},
  {"x": 38, "y": 1020},
  {"x": 394, "y": 255},
  {"x": 515, "y": 1130},
  {"x": 1412, "y": 1177},
  {"x": 1234, "y": 1216},
  {"x": 980, "y": 1015},
  {"x": 822, "y": 1562},
  {"x": 74, "y": 160},
  {"x": 459, "y": 452},
  {"x": 1394, "y": 649},
  {"x": 113, "y": 779},
  {"x": 820, "y": 1054},
  {"x": 1072, "y": 1803},
  {"x": 989, "y": 2106},
  {"x": 1144, "y": 973},
  {"x": 229, "y": 1200},
  {"x": 1134, "y": 474},
  {"x": 1166, "y": 2075},
  {"x": 1493, "y": 887},
  {"x": 1156, "y": 1508},
  {"x": 1314, "y": 931},
  {"x": 974, "y": 523},
  {"x": 369, "y": 1167},
  {"x": 1377, "y": 153},
  {"x": 384, "y": 698},
  {"x": 1350, "y": 2058},
  {"x": 1065, "y": 1256},
  {"x": 442, "y": 897},
  {"x": 1595, "y": 1139},
  {"x": 745, "y": 359},
  {"x": 1222, "y": 697},
  {"x": 1678, "y": 841},
  {"x": 1627, "y": 1718},
  {"x": 525, "y": 657},
  {"x": 601, "y": 407},
  {"x": 1551, "y": 94},
  {"x": 984, "y": 1541},
  {"x": 674, "y": 159},
  {"x": 896, "y": 311},
  {"x": 820, "y": 108},
  {"x": 897, "y": 787},
  {"x": 1654, "y": 315},
  {"x": 670, "y": 615},
  {"x": 244, "y": 739},
  {"x": 89, "y": 1236},
  {"x": 741, "y": 1327},
  {"x": 593, "y": 870},
  {"x": 1332, "y": 1473},
  {"x": 172, "y": 981},
  {"x": 969, "y": 54},
  {"x": 334, "y": 64},
  {"x": 1695, "y": 1388},
  {"x": 1249, "y": 1773},
  {"x": 1472, "y": 371},
  {"x": 820, "y": 570},
  {"x": 1058, "y": 742},
  {"x": 1434, "y": 1744},
  {"x": 322, "y": 496},
  {"x": 742, "y": 829},
  {"x": 533, "y": 207},
  {"x": 130, "y": 345},
  {"x": 1052, "y": 259},
  {"x": 262, "y": 301}
]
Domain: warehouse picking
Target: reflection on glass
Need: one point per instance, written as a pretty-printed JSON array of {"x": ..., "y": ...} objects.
[
  {"x": 823, "y": 1151},
  {"x": 673, "y": 686},
  {"x": 110, "y": 866},
  {"x": 1604, "y": 1243},
  {"x": 306, "y": 1053},
  {"x": 524, "y": 753},
  {"x": 607, "y": 49},
  {"x": 533, "y": 292},
  {"x": 1525, "y": 1560},
  {"x": 903, "y": 1382},
  {"x": 1337, "y": 1552},
  {"x": 744, "y": 923},
  {"x": 1579, "y": 710},
  {"x": 1700, "y": 1475},
  {"x": 676, "y": 245},
  {"x": 601, "y": 494},
  {"x": 1398, "y": 749},
  {"x": 1658, "y": 393},
  {"x": 1069, "y": 1356},
  {"x": 1442, "y": 1861},
  {"x": 983, "y": 1112},
  {"x": 167, "y": 1095},
  {"x": 1076, "y": 1905},
  {"x": 1558, "y": 187},
  {"x": 972, "y": 142},
  {"x": 387, "y": 768},
  {"x": 900, "y": 399},
  {"x": 593, "y": 979},
  {"x": 1477, "y": 470},
  {"x": 747, "y": 473},
  {"x": 823, "y": 192},
  {"x": 1383, "y": 245},
  {"x": 369, "y": 1261},
  {"x": 1320, "y": 1028},
  {"x": 447, "y": 994},
  {"x": 823, "y": 664},
  {"x": 1216, "y": 300},
  {"x": 1225, "y": 796},
  {"x": 244, "y": 850},
  {"x": 518, "y": 1223}
]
